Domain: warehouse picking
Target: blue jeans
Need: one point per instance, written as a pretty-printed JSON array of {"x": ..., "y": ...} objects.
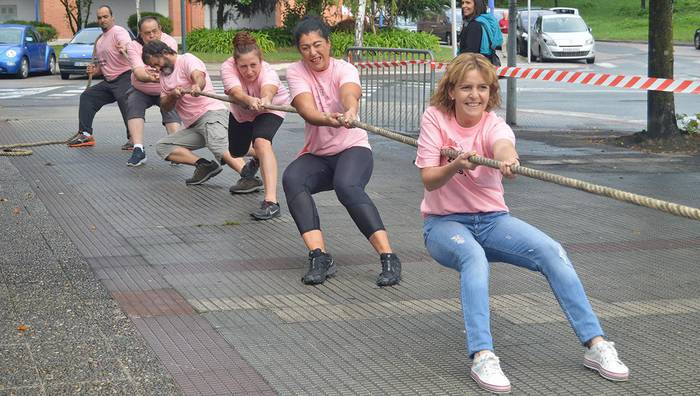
[{"x": 467, "y": 242}]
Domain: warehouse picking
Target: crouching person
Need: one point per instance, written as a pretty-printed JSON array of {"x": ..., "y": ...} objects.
[{"x": 205, "y": 120}]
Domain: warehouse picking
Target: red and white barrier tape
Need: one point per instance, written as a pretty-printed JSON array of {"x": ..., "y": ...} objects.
[{"x": 571, "y": 77}]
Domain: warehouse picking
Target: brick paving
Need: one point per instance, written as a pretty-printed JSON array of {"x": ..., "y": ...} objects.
[{"x": 131, "y": 282}]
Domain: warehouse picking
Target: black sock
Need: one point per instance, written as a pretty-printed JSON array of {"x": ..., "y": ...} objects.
[{"x": 202, "y": 161}]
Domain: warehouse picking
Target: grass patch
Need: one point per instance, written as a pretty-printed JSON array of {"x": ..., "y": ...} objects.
[
  {"x": 625, "y": 20},
  {"x": 231, "y": 223}
]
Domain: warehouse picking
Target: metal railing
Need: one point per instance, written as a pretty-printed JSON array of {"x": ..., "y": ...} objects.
[{"x": 396, "y": 85}]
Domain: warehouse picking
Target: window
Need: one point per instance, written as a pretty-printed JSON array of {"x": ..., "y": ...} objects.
[{"x": 8, "y": 12}]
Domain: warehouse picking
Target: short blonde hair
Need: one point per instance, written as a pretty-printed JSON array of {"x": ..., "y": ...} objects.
[{"x": 455, "y": 74}]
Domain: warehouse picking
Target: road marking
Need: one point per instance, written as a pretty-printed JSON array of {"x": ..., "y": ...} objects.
[
  {"x": 62, "y": 94},
  {"x": 75, "y": 91},
  {"x": 21, "y": 92},
  {"x": 600, "y": 117},
  {"x": 606, "y": 65}
]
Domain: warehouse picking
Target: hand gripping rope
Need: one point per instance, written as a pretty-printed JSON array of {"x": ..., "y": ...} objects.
[{"x": 620, "y": 195}]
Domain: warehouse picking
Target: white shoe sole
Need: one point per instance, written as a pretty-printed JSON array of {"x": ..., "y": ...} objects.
[
  {"x": 608, "y": 375},
  {"x": 499, "y": 389}
]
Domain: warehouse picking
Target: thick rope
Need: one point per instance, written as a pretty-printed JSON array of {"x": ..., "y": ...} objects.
[
  {"x": 620, "y": 195},
  {"x": 10, "y": 150}
]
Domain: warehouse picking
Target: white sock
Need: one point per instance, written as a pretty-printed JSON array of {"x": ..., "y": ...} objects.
[{"x": 139, "y": 146}]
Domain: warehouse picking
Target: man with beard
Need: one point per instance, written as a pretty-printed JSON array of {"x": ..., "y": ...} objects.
[
  {"x": 146, "y": 88},
  {"x": 116, "y": 71},
  {"x": 182, "y": 78}
]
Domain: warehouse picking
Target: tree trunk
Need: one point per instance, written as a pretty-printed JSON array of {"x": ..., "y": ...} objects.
[
  {"x": 220, "y": 14},
  {"x": 644, "y": 4},
  {"x": 360, "y": 22},
  {"x": 661, "y": 112},
  {"x": 138, "y": 11}
]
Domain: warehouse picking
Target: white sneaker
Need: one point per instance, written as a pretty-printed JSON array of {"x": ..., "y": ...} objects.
[
  {"x": 486, "y": 371},
  {"x": 602, "y": 357}
]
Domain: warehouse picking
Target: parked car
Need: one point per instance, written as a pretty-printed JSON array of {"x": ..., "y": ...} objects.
[
  {"x": 565, "y": 10},
  {"x": 404, "y": 23},
  {"x": 77, "y": 53},
  {"x": 562, "y": 36},
  {"x": 440, "y": 24},
  {"x": 521, "y": 26},
  {"x": 23, "y": 51},
  {"x": 697, "y": 39}
]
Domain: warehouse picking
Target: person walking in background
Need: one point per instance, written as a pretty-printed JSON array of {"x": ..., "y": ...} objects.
[
  {"x": 251, "y": 84},
  {"x": 326, "y": 93},
  {"x": 503, "y": 25},
  {"x": 480, "y": 33},
  {"x": 467, "y": 223},
  {"x": 116, "y": 71},
  {"x": 146, "y": 88}
]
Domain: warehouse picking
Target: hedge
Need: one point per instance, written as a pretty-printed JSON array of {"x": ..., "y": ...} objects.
[
  {"x": 219, "y": 41},
  {"x": 46, "y": 31},
  {"x": 166, "y": 24},
  {"x": 389, "y": 38}
]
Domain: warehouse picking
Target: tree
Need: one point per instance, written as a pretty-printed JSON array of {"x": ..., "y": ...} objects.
[
  {"x": 77, "y": 13},
  {"x": 661, "y": 111},
  {"x": 246, "y": 8},
  {"x": 644, "y": 4}
]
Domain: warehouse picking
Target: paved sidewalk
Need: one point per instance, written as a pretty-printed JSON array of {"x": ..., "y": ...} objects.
[{"x": 116, "y": 280}]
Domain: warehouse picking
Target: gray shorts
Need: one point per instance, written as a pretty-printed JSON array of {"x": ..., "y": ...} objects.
[
  {"x": 137, "y": 102},
  {"x": 210, "y": 131}
]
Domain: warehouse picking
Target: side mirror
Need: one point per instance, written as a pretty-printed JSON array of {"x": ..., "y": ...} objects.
[
  {"x": 29, "y": 39},
  {"x": 590, "y": 29}
]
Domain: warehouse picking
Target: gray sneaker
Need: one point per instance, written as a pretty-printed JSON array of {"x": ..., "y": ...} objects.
[
  {"x": 250, "y": 168},
  {"x": 204, "y": 172},
  {"x": 246, "y": 185},
  {"x": 267, "y": 211}
]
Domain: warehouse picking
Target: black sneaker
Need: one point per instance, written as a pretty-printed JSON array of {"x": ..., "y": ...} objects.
[
  {"x": 250, "y": 168},
  {"x": 246, "y": 185},
  {"x": 267, "y": 211},
  {"x": 321, "y": 267},
  {"x": 138, "y": 157},
  {"x": 391, "y": 270},
  {"x": 204, "y": 172}
]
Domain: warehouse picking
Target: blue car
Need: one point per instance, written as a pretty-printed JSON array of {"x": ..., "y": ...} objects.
[
  {"x": 23, "y": 51},
  {"x": 77, "y": 54}
]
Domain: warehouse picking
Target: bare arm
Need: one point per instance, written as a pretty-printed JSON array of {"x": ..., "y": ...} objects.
[
  {"x": 436, "y": 176},
  {"x": 350, "y": 94},
  {"x": 142, "y": 75},
  {"x": 504, "y": 151},
  {"x": 168, "y": 100},
  {"x": 199, "y": 80},
  {"x": 305, "y": 105}
]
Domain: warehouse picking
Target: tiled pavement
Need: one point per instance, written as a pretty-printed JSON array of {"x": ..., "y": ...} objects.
[{"x": 210, "y": 302}]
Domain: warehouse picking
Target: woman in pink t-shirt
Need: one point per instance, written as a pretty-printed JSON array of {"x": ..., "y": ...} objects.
[
  {"x": 326, "y": 92},
  {"x": 467, "y": 223},
  {"x": 252, "y": 84}
]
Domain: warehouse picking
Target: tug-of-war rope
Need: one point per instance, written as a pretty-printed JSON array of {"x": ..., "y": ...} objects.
[{"x": 620, "y": 195}]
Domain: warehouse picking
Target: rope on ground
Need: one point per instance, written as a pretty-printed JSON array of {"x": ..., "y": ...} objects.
[
  {"x": 11, "y": 150},
  {"x": 620, "y": 195}
]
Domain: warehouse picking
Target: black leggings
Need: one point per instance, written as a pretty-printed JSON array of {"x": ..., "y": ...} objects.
[{"x": 347, "y": 173}]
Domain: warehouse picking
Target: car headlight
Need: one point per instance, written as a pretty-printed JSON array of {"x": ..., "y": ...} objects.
[
  {"x": 548, "y": 40},
  {"x": 64, "y": 55},
  {"x": 589, "y": 41},
  {"x": 11, "y": 53}
]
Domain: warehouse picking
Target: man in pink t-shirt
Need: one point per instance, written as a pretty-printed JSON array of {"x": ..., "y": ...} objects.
[
  {"x": 326, "y": 92},
  {"x": 146, "y": 88},
  {"x": 182, "y": 78},
  {"x": 116, "y": 72}
]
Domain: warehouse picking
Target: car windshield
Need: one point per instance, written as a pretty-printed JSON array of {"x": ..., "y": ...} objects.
[
  {"x": 86, "y": 37},
  {"x": 10, "y": 36},
  {"x": 403, "y": 21},
  {"x": 564, "y": 25},
  {"x": 535, "y": 14}
]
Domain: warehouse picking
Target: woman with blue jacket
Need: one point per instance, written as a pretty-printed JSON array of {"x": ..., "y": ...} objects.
[{"x": 480, "y": 33}]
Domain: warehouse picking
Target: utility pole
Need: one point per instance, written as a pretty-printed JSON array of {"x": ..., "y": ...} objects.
[
  {"x": 511, "y": 98},
  {"x": 183, "y": 26},
  {"x": 360, "y": 22}
]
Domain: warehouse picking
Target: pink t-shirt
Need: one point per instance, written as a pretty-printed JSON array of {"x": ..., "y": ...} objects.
[
  {"x": 476, "y": 191},
  {"x": 112, "y": 62},
  {"x": 134, "y": 51},
  {"x": 188, "y": 107},
  {"x": 325, "y": 88},
  {"x": 232, "y": 78}
]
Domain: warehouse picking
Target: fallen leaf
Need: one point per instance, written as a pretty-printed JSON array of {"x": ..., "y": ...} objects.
[
  {"x": 92, "y": 227},
  {"x": 16, "y": 211},
  {"x": 22, "y": 327},
  {"x": 3, "y": 199}
]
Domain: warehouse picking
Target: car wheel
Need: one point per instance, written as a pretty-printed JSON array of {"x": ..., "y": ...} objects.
[
  {"x": 23, "y": 71},
  {"x": 53, "y": 67},
  {"x": 697, "y": 41},
  {"x": 65, "y": 76},
  {"x": 590, "y": 60}
]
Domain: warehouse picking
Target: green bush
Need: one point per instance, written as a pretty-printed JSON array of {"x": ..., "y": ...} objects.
[
  {"x": 219, "y": 41},
  {"x": 47, "y": 32},
  {"x": 279, "y": 36},
  {"x": 389, "y": 38},
  {"x": 166, "y": 24}
]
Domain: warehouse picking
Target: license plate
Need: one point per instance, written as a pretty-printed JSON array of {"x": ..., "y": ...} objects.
[
  {"x": 576, "y": 49},
  {"x": 82, "y": 63}
]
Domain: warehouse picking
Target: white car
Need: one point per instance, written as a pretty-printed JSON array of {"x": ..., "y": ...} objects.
[{"x": 562, "y": 36}]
